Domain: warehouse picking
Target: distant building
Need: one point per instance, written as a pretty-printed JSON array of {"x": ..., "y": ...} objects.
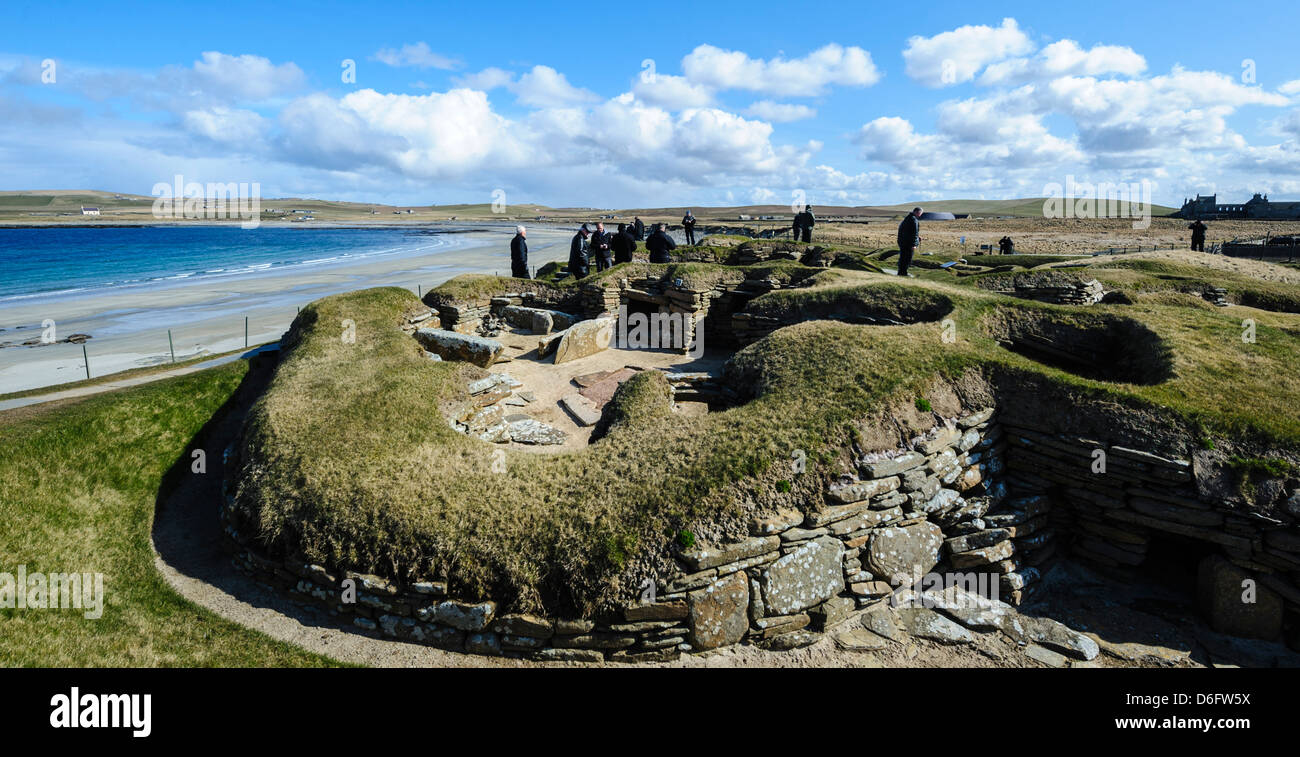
[
  {"x": 89, "y": 211},
  {"x": 1207, "y": 207}
]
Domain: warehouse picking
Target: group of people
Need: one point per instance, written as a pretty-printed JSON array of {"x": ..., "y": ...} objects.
[
  {"x": 801, "y": 230},
  {"x": 603, "y": 248}
]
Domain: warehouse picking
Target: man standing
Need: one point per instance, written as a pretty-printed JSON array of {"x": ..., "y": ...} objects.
[
  {"x": 600, "y": 248},
  {"x": 796, "y": 228},
  {"x": 909, "y": 238},
  {"x": 660, "y": 244},
  {"x": 638, "y": 232},
  {"x": 519, "y": 254},
  {"x": 807, "y": 224},
  {"x": 623, "y": 245},
  {"x": 688, "y": 223},
  {"x": 578, "y": 260},
  {"x": 1198, "y": 235}
]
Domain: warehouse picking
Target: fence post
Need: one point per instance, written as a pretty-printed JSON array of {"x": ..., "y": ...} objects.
[
  {"x": 86, "y": 357},
  {"x": 245, "y": 332},
  {"x": 171, "y": 345}
]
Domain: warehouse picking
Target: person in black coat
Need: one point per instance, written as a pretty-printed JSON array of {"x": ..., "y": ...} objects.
[
  {"x": 807, "y": 223},
  {"x": 660, "y": 244},
  {"x": 688, "y": 223},
  {"x": 519, "y": 254},
  {"x": 623, "y": 244},
  {"x": 578, "y": 260},
  {"x": 638, "y": 232},
  {"x": 909, "y": 237},
  {"x": 1198, "y": 235},
  {"x": 796, "y": 228},
  {"x": 599, "y": 246}
]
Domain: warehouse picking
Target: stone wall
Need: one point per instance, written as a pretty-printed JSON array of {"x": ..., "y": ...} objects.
[
  {"x": 993, "y": 504},
  {"x": 795, "y": 574},
  {"x": 1114, "y": 500}
]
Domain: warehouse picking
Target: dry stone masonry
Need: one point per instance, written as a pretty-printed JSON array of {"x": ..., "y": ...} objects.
[{"x": 976, "y": 508}]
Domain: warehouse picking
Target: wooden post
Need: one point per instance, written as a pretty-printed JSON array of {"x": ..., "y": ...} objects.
[
  {"x": 86, "y": 357},
  {"x": 171, "y": 345},
  {"x": 245, "y": 332}
]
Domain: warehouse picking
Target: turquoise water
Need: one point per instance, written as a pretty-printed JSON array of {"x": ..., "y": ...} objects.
[{"x": 51, "y": 262}]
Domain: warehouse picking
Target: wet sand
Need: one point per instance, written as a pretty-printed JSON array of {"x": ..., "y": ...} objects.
[{"x": 128, "y": 327}]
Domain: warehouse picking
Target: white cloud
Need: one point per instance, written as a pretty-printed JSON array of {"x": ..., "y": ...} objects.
[
  {"x": 418, "y": 55},
  {"x": 545, "y": 87},
  {"x": 1066, "y": 58},
  {"x": 248, "y": 77},
  {"x": 779, "y": 112},
  {"x": 487, "y": 79},
  {"x": 226, "y": 125},
  {"x": 810, "y": 75},
  {"x": 954, "y": 57},
  {"x": 671, "y": 92}
]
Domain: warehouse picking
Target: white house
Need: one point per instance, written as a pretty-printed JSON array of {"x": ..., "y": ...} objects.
[{"x": 89, "y": 211}]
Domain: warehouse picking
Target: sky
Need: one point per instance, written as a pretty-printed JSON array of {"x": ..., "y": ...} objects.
[{"x": 607, "y": 105}]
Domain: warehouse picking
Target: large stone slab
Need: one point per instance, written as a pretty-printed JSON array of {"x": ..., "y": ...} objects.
[
  {"x": 896, "y": 551},
  {"x": 806, "y": 577},
  {"x": 585, "y": 338},
  {"x": 703, "y": 559},
  {"x": 536, "y": 320},
  {"x": 719, "y": 613},
  {"x": 1236, "y": 602},
  {"x": 583, "y": 410},
  {"x": 450, "y": 345}
]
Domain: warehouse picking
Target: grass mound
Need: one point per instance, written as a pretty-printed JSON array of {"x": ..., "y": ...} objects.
[{"x": 347, "y": 460}]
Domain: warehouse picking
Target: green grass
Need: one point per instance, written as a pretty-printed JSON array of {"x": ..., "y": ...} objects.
[
  {"x": 78, "y": 486},
  {"x": 350, "y": 461}
]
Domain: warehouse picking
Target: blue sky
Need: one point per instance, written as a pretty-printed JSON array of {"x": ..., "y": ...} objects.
[{"x": 869, "y": 103}]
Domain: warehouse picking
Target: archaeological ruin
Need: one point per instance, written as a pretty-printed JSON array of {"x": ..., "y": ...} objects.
[{"x": 759, "y": 443}]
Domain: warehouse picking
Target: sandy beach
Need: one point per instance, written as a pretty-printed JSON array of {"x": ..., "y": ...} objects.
[{"x": 128, "y": 326}]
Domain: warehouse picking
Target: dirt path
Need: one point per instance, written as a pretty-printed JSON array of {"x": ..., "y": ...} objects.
[{"x": 108, "y": 386}]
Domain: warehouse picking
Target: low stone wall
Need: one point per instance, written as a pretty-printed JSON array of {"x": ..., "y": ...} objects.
[
  {"x": 1113, "y": 500},
  {"x": 992, "y": 503},
  {"x": 794, "y": 575}
]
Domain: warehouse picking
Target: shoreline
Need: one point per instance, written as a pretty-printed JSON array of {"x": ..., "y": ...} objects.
[{"x": 128, "y": 327}]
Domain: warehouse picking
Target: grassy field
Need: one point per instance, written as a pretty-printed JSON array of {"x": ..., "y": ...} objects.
[
  {"x": 350, "y": 460},
  {"x": 78, "y": 487}
]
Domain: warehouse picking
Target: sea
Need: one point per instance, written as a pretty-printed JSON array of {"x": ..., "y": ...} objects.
[{"x": 50, "y": 262}]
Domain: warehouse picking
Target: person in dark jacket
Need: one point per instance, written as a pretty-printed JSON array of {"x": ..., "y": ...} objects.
[
  {"x": 796, "y": 228},
  {"x": 660, "y": 244},
  {"x": 1006, "y": 246},
  {"x": 638, "y": 232},
  {"x": 599, "y": 246},
  {"x": 519, "y": 254},
  {"x": 909, "y": 238},
  {"x": 1198, "y": 235},
  {"x": 688, "y": 223},
  {"x": 578, "y": 260},
  {"x": 623, "y": 244},
  {"x": 807, "y": 224}
]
